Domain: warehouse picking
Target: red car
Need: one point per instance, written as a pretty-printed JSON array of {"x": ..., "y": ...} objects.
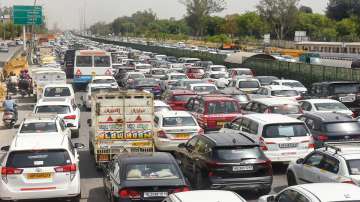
[
  {"x": 177, "y": 99},
  {"x": 213, "y": 111},
  {"x": 195, "y": 72}
]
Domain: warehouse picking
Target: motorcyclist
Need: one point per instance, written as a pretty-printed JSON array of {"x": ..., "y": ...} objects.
[
  {"x": 9, "y": 105},
  {"x": 24, "y": 81}
]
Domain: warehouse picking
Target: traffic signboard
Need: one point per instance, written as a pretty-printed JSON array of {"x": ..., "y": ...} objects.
[{"x": 27, "y": 15}]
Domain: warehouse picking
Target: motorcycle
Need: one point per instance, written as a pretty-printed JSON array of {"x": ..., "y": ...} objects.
[
  {"x": 9, "y": 119},
  {"x": 11, "y": 88}
]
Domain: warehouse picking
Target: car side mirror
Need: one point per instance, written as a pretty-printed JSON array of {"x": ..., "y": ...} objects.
[
  {"x": 5, "y": 148},
  {"x": 69, "y": 125},
  {"x": 300, "y": 161},
  {"x": 79, "y": 145},
  {"x": 227, "y": 125},
  {"x": 182, "y": 145},
  {"x": 89, "y": 122}
]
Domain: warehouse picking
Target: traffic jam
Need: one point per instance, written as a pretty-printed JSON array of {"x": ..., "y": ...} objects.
[{"x": 161, "y": 128}]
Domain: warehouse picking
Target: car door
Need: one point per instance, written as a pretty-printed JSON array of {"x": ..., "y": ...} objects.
[
  {"x": 185, "y": 156},
  {"x": 309, "y": 170},
  {"x": 329, "y": 169}
]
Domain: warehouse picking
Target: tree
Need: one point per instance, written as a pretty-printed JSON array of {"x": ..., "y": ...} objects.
[
  {"x": 340, "y": 9},
  {"x": 199, "y": 10},
  {"x": 230, "y": 26},
  {"x": 251, "y": 24},
  {"x": 279, "y": 14},
  {"x": 214, "y": 25},
  {"x": 305, "y": 9},
  {"x": 347, "y": 29}
]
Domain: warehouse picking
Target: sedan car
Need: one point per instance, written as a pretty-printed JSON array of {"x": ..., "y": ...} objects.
[
  {"x": 204, "y": 195},
  {"x": 149, "y": 84},
  {"x": 143, "y": 177}
]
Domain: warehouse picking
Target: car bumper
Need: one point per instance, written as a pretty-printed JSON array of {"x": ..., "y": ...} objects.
[
  {"x": 168, "y": 144},
  {"x": 241, "y": 183},
  {"x": 82, "y": 79},
  {"x": 287, "y": 156}
]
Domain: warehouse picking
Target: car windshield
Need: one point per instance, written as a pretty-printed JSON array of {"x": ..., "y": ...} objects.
[
  {"x": 218, "y": 69},
  {"x": 151, "y": 171},
  {"x": 101, "y": 81},
  {"x": 237, "y": 153},
  {"x": 158, "y": 72},
  {"x": 346, "y": 88},
  {"x": 58, "y": 109},
  {"x": 136, "y": 76},
  {"x": 178, "y": 121},
  {"x": 147, "y": 82},
  {"x": 177, "y": 77},
  {"x": 284, "y": 93},
  {"x": 57, "y": 92},
  {"x": 330, "y": 106},
  {"x": 354, "y": 166},
  {"x": 285, "y": 130},
  {"x": 83, "y": 61},
  {"x": 266, "y": 80},
  {"x": 293, "y": 84},
  {"x": 204, "y": 88},
  {"x": 249, "y": 84},
  {"x": 182, "y": 98},
  {"x": 344, "y": 127},
  {"x": 217, "y": 76},
  {"x": 286, "y": 109},
  {"x": 38, "y": 158},
  {"x": 222, "y": 107},
  {"x": 39, "y": 127}
]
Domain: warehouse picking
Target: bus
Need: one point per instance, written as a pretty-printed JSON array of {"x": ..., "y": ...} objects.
[{"x": 90, "y": 63}]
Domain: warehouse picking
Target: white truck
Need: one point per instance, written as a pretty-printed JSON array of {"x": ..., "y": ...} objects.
[{"x": 120, "y": 122}]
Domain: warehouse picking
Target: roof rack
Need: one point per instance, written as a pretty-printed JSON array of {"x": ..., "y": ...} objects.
[{"x": 328, "y": 146}]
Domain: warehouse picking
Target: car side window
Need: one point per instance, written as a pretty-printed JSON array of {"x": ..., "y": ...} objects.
[
  {"x": 255, "y": 107},
  {"x": 235, "y": 125},
  {"x": 156, "y": 120},
  {"x": 314, "y": 160},
  {"x": 202, "y": 147},
  {"x": 196, "y": 106},
  {"x": 71, "y": 147},
  {"x": 253, "y": 128},
  {"x": 248, "y": 106},
  {"x": 310, "y": 124},
  {"x": 291, "y": 196},
  {"x": 201, "y": 108},
  {"x": 190, "y": 105},
  {"x": 330, "y": 164},
  {"x": 305, "y": 106},
  {"x": 191, "y": 144}
]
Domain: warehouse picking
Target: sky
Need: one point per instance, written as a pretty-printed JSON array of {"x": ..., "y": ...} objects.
[{"x": 67, "y": 14}]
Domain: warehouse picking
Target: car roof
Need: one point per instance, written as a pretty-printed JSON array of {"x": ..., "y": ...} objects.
[
  {"x": 286, "y": 80},
  {"x": 276, "y": 101},
  {"x": 54, "y": 101},
  {"x": 279, "y": 87},
  {"x": 344, "y": 192},
  {"x": 315, "y": 101},
  {"x": 272, "y": 118},
  {"x": 208, "y": 196},
  {"x": 159, "y": 103},
  {"x": 227, "y": 138},
  {"x": 174, "y": 113},
  {"x": 330, "y": 116},
  {"x": 132, "y": 157},
  {"x": 39, "y": 142},
  {"x": 218, "y": 97},
  {"x": 183, "y": 92}
]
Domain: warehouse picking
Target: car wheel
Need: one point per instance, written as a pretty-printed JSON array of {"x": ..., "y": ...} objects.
[
  {"x": 76, "y": 198},
  {"x": 291, "y": 179}
]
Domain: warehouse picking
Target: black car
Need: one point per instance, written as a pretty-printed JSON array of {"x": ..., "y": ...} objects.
[
  {"x": 143, "y": 177},
  {"x": 149, "y": 84},
  {"x": 230, "y": 161},
  {"x": 331, "y": 127},
  {"x": 347, "y": 92}
]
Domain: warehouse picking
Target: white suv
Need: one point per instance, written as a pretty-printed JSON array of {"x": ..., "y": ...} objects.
[
  {"x": 40, "y": 168},
  {"x": 332, "y": 163},
  {"x": 282, "y": 138},
  {"x": 64, "y": 108},
  {"x": 43, "y": 124},
  {"x": 58, "y": 90}
]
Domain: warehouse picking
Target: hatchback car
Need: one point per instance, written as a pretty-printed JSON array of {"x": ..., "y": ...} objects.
[
  {"x": 177, "y": 99},
  {"x": 143, "y": 177},
  {"x": 40, "y": 168},
  {"x": 230, "y": 161}
]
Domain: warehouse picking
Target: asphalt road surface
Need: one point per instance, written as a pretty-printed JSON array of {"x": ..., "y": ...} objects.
[{"x": 91, "y": 179}]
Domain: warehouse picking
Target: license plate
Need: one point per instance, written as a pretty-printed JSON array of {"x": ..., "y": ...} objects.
[
  {"x": 242, "y": 168},
  {"x": 141, "y": 144},
  {"x": 182, "y": 136},
  {"x": 32, "y": 176},
  {"x": 220, "y": 123},
  {"x": 349, "y": 98},
  {"x": 155, "y": 194},
  {"x": 288, "y": 145}
]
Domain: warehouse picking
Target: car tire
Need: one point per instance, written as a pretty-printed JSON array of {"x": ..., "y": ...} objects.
[
  {"x": 291, "y": 180},
  {"x": 76, "y": 198}
]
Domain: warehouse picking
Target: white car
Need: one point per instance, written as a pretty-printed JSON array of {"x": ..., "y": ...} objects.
[
  {"x": 296, "y": 85},
  {"x": 213, "y": 69},
  {"x": 43, "y": 124},
  {"x": 205, "y": 195},
  {"x": 240, "y": 72},
  {"x": 160, "y": 106},
  {"x": 64, "y": 108},
  {"x": 58, "y": 90},
  {"x": 247, "y": 85},
  {"x": 333, "y": 163},
  {"x": 325, "y": 105},
  {"x": 143, "y": 68},
  {"x": 317, "y": 192},
  {"x": 279, "y": 91},
  {"x": 93, "y": 88},
  {"x": 40, "y": 168},
  {"x": 105, "y": 80},
  {"x": 130, "y": 76},
  {"x": 171, "y": 79},
  {"x": 202, "y": 88},
  {"x": 174, "y": 128}
]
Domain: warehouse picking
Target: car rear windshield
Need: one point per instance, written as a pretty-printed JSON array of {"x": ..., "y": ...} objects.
[
  {"x": 57, "y": 92},
  {"x": 237, "y": 153},
  {"x": 182, "y": 98},
  {"x": 178, "y": 121},
  {"x": 243, "y": 72},
  {"x": 220, "y": 69},
  {"x": 293, "y": 84},
  {"x": 343, "y": 127},
  {"x": 58, "y": 109},
  {"x": 136, "y": 76},
  {"x": 286, "y": 109},
  {"x": 151, "y": 171},
  {"x": 285, "y": 130},
  {"x": 285, "y": 93},
  {"x": 38, "y": 158},
  {"x": 176, "y": 77},
  {"x": 147, "y": 82},
  {"x": 249, "y": 84},
  {"x": 158, "y": 72},
  {"x": 217, "y": 76},
  {"x": 204, "y": 88},
  {"x": 346, "y": 88},
  {"x": 39, "y": 127},
  {"x": 222, "y": 107},
  {"x": 330, "y": 106},
  {"x": 143, "y": 67},
  {"x": 100, "y": 81},
  {"x": 354, "y": 166}
]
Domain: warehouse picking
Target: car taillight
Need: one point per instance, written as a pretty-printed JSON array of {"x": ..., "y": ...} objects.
[
  {"x": 5, "y": 171},
  {"x": 126, "y": 193},
  {"x": 263, "y": 144},
  {"x": 311, "y": 144},
  {"x": 349, "y": 182},
  {"x": 181, "y": 189},
  {"x": 70, "y": 117},
  {"x": 162, "y": 134},
  {"x": 71, "y": 168},
  {"x": 299, "y": 98},
  {"x": 201, "y": 131},
  {"x": 322, "y": 138}
]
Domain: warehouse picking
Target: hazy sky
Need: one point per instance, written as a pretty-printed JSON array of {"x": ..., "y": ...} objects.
[{"x": 67, "y": 13}]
